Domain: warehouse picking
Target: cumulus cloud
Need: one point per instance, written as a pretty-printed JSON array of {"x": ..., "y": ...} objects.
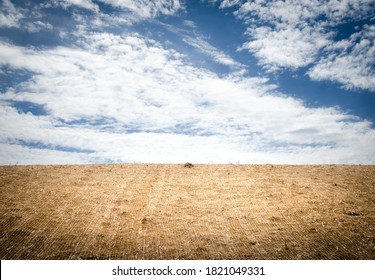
[
  {"x": 228, "y": 3},
  {"x": 288, "y": 47},
  {"x": 350, "y": 61},
  {"x": 38, "y": 26},
  {"x": 294, "y": 12},
  {"x": 9, "y": 14},
  {"x": 294, "y": 34},
  {"x": 30, "y": 20},
  {"x": 126, "y": 98}
]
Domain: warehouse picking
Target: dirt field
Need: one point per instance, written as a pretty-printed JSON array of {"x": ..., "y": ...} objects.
[{"x": 173, "y": 212}]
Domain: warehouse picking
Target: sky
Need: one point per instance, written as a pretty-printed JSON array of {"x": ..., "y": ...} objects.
[{"x": 202, "y": 81}]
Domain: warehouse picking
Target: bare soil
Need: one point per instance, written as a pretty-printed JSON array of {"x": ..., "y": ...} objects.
[{"x": 150, "y": 211}]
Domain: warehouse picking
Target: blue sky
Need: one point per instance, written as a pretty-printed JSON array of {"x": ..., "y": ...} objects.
[{"x": 205, "y": 81}]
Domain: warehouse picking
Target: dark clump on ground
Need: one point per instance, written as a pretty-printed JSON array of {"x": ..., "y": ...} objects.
[{"x": 188, "y": 165}]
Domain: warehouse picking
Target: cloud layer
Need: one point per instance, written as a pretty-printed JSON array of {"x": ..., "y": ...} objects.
[{"x": 125, "y": 97}]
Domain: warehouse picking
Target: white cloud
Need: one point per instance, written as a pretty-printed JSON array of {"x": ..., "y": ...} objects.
[
  {"x": 195, "y": 39},
  {"x": 229, "y": 3},
  {"x": 350, "y": 62},
  {"x": 190, "y": 24},
  {"x": 126, "y": 98},
  {"x": 127, "y": 11},
  {"x": 283, "y": 34},
  {"x": 296, "y": 12},
  {"x": 293, "y": 34},
  {"x": 9, "y": 14},
  {"x": 38, "y": 26},
  {"x": 146, "y": 8},
  {"x": 174, "y": 148},
  {"x": 84, "y": 4},
  {"x": 217, "y": 55},
  {"x": 12, "y": 154},
  {"x": 286, "y": 48},
  {"x": 87, "y": 4},
  {"x": 12, "y": 16}
]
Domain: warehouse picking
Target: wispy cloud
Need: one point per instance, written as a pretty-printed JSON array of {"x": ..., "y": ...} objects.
[
  {"x": 198, "y": 41},
  {"x": 215, "y": 54},
  {"x": 85, "y": 4},
  {"x": 140, "y": 8},
  {"x": 144, "y": 9},
  {"x": 89, "y": 14}
]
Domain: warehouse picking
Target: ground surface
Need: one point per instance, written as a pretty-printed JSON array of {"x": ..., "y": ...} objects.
[{"x": 175, "y": 212}]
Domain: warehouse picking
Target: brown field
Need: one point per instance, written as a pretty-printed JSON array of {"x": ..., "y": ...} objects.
[{"x": 146, "y": 211}]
